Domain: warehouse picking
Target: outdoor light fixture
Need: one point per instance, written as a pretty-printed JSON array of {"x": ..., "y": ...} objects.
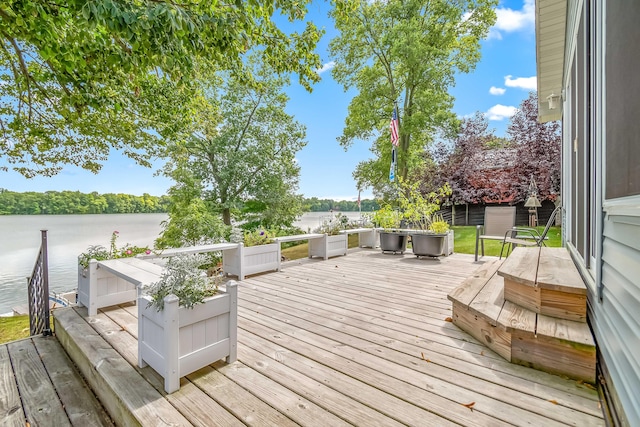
[{"x": 554, "y": 101}]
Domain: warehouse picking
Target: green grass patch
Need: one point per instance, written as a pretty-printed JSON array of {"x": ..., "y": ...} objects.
[
  {"x": 465, "y": 240},
  {"x": 14, "y": 328}
]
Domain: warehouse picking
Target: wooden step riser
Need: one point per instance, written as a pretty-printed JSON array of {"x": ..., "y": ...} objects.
[
  {"x": 555, "y": 356},
  {"x": 552, "y": 355},
  {"x": 561, "y": 305},
  {"x": 495, "y": 338}
]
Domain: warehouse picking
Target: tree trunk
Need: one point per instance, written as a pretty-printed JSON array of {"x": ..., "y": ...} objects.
[{"x": 226, "y": 216}]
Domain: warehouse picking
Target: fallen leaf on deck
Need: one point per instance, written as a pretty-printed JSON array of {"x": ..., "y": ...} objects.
[
  {"x": 448, "y": 319},
  {"x": 423, "y": 356},
  {"x": 482, "y": 353},
  {"x": 555, "y": 402},
  {"x": 336, "y": 266},
  {"x": 469, "y": 405}
]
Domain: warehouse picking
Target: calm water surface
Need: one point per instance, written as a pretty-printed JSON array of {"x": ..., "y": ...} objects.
[{"x": 68, "y": 236}]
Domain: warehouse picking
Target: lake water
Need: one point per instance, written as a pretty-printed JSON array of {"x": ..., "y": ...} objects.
[{"x": 68, "y": 236}]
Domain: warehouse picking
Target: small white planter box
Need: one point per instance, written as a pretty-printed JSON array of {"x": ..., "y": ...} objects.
[
  {"x": 178, "y": 341},
  {"x": 244, "y": 261},
  {"x": 448, "y": 243},
  {"x": 99, "y": 288},
  {"x": 328, "y": 246}
]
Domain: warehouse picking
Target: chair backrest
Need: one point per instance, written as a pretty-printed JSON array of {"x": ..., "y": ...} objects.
[
  {"x": 498, "y": 220},
  {"x": 552, "y": 220}
]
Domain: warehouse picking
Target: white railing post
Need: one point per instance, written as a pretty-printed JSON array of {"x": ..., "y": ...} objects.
[
  {"x": 171, "y": 344},
  {"x": 232, "y": 290}
]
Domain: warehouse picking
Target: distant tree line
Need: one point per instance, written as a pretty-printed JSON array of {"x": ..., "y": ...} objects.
[
  {"x": 75, "y": 202},
  {"x": 324, "y": 205}
]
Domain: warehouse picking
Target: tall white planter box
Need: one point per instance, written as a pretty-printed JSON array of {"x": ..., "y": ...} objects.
[
  {"x": 178, "y": 341},
  {"x": 369, "y": 238},
  {"x": 99, "y": 288},
  {"x": 329, "y": 246},
  {"x": 244, "y": 261},
  {"x": 448, "y": 243}
]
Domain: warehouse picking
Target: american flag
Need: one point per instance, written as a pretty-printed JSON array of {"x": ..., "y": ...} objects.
[{"x": 394, "y": 129}]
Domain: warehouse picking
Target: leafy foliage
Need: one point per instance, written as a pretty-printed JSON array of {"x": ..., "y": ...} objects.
[
  {"x": 239, "y": 158},
  {"x": 99, "y": 252},
  {"x": 75, "y": 202},
  {"x": 79, "y": 78},
  {"x": 258, "y": 237},
  {"x": 418, "y": 208},
  {"x": 184, "y": 278},
  {"x": 480, "y": 173},
  {"x": 406, "y": 52}
]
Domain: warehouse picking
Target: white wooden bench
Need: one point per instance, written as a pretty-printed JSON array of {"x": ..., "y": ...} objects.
[
  {"x": 367, "y": 237},
  {"x": 114, "y": 281},
  {"x": 320, "y": 245}
]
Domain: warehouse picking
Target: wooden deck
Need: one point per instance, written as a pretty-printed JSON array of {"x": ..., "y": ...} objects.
[{"x": 364, "y": 339}]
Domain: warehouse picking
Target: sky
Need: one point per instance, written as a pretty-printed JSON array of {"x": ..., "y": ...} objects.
[{"x": 500, "y": 82}]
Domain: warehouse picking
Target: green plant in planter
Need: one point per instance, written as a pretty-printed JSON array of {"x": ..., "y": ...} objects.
[
  {"x": 99, "y": 252},
  {"x": 419, "y": 209},
  {"x": 186, "y": 278},
  {"x": 333, "y": 226},
  {"x": 387, "y": 218},
  {"x": 258, "y": 237},
  {"x": 438, "y": 225}
]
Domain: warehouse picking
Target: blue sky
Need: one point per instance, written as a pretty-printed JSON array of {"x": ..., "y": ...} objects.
[{"x": 502, "y": 79}]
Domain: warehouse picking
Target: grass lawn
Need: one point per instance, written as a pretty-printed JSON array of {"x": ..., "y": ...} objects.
[
  {"x": 14, "y": 328},
  {"x": 465, "y": 240}
]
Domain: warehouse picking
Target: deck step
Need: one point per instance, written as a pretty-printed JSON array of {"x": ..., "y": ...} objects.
[
  {"x": 558, "y": 346},
  {"x": 126, "y": 395},
  {"x": 546, "y": 281}
]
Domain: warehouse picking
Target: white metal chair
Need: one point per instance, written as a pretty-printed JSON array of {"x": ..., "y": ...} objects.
[
  {"x": 524, "y": 236},
  {"x": 498, "y": 220}
]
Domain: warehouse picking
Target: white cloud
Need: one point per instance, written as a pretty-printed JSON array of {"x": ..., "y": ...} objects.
[
  {"x": 497, "y": 90},
  {"x": 326, "y": 67},
  {"x": 500, "y": 112},
  {"x": 528, "y": 83},
  {"x": 509, "y": 20}
]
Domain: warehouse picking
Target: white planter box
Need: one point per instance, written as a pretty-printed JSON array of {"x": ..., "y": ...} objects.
[
  {"x": 244, "y": 261},
  {"x": 99, "y": 288},
  {"x": 178, "y": 341},
  {"x": 369, "y": 238},
  {"x": 448, "y": 244},
  {"x": 328, "y": 246}
]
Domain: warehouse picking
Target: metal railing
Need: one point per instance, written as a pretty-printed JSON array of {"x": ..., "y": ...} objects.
[{"x": 38, "y": 287}]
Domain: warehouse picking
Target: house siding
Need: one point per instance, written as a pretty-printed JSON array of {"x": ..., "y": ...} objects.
[{"x": 601, "y": 181}]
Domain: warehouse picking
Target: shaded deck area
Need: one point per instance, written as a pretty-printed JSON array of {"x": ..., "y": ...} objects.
[{"x": 363, "y": 339}]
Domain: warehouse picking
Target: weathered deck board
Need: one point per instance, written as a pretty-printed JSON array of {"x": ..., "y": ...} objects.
[
  {"x": 362, "y": 339},
  {"x": 39, "y": 399},
  {"x": 10, "y": 406}
]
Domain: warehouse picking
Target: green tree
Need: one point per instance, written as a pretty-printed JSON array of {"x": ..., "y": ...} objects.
[
  {"x": 241, "y": 151},
  {"x": 79, "y": 78},
  {"x": 405, "y": 52}
]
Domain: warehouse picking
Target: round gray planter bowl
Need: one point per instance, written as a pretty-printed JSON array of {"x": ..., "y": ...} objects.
[
  {"x": 393, "y": 241},
  {"x": 428, "y": 244}
]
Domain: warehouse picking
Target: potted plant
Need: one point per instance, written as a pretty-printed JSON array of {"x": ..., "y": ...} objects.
[
  {"x": 98, "y": 287},
  {"x": 334, "y": 243},
  {"x": 185, "y": 322},
  {"x": 391, "y": 238},
  {"x": 430, "y": 230},
  {"x": 256, "y": 253}
]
